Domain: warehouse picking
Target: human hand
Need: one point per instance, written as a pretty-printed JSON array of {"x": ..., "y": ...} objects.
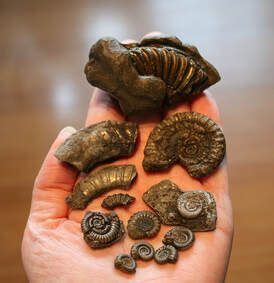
[{"x": 53, "y": 248}]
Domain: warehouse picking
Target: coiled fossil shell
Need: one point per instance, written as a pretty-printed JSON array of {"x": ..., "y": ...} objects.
[
  {"x": 97, "y": 143},
  {"x": 180, "y": 237},
  {"x": 100, "y": 182},
  {"x": 117, "y": 200},
  {"x": 143, "y": 224},
  {"x": 166, "y": 254},
  {"x": 150, "y": 75},
  {"x": 163, "y": 199},
  {"x": 142, "y": 250},
  {"x": 101, "y": 230},
  {"x": 125, "y": 263},
  {"x": 189, "y": 138}
]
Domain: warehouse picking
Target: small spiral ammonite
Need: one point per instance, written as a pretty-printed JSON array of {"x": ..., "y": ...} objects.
[
  {"x": 190, "y": 204},
  {"x": 180, "y": 237},
  {"x": 142, "y": 250},
  {"x": 143, "y": 224},
  {"x": 125, "y": 263},
  {"x": 101, "y": 230},
  {"x": 166, "y": 254},
  {"x": 117, "y": 200}
]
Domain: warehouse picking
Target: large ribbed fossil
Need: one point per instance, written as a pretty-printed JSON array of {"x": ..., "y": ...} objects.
[
  {"x": 151, "y": 75},
  {"x": 97, "y": 143}
]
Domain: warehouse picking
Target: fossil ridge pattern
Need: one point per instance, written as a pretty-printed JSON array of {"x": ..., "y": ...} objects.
[
  {"x": 125, "y": 263},
  {"x": 143, "y": 224},
  {"x": 180, "y": 237},
  {"x": 117, "y": 200},
  {"x": 101, "y": 230},
  {"x": 142, "y": 250},
  {"x": 188, "y": 138},
  {"x": 165, "y": 198},
  {"x": 166, "y": 254},
  {"x": 100, "y": 182},
  {"x": 97, "y": 143},
  {"x": 150, "y": 75}
]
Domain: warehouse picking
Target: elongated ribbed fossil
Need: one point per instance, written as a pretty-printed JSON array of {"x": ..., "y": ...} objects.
[
  {"x": 150, "y": 75},
  {"x": 100, "y": 182},
  {"x": 117, "y": 200},
  {"x": 97, "y": 143}
]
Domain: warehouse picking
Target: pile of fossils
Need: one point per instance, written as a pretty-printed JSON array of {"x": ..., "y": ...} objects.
[{"x": 147, "y": 76}]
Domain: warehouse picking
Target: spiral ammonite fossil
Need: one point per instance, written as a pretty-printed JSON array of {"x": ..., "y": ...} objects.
[
  {"x": 188, "y": 138},
  {"x": 143, "y": 224},
  {"x": 180, "y": 237},
  {"x": 166, "y": 254},
  {"x": 125, "y": 263},
  {"x": 142, "y": 250},
  {"x": 117, "y": 200},
  {"x": 101, "y": 229}
]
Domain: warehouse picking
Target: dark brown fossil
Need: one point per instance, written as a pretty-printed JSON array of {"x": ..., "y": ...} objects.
[
  {"x": 189, "y": 138},
  {"x": 117, "y": 200},
  {"x": 164, "y": 197},
  {"x": 142, "y": 250},
  {"x": 97, "y": 143},
  {"x": 180, "y": 237},
  {"x": 166, "y": 254},
  {"x": 102, "y": 229},
  {"x": 143, "y": 224},
  {"x": 125, "y": 263},
  {"x": 150, "y": 75},
  {"x": 100, "y": 182}
]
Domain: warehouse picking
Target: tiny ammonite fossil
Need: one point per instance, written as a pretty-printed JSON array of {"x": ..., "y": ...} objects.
[
  {"x": 97, "y": 143},
  {"x": 117, "y": 200},
  {"x": 100, "y": 182},
  {"x": 102, "y": 229},
  {"x": 166, "y": 199},
  {"x": 142, "y": 250},
  {"x": 180, "y": 237},
  {"x": 166, "y": 254},
  {"x": 143, "y": 224},
  {"x": 150, "y": 75},
  {"x": 125, "y": 263},
  {"x": 188, "y": 138}
]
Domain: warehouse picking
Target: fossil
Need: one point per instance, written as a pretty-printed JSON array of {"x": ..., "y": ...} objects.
[
  {"x": 180, "y": 237},
  {"x": 125, "y": 263},
  {"x": 166, "y": 254},
  {"x": 101, "y": 229},
  {"x": 97, "y": 143},
  {"x": 116, "y": 200},
  {"x": 100, "y": 182},
  {"x": 150, "y": 75},
  {"x": 142, "y": 250},
  {"x": 189, "y": 138},
  {"x": 165, "y": 198},
  {"x": 143, "y": 224}
]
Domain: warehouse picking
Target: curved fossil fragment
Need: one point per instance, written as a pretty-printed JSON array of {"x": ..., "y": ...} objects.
[
  {"x": 101, "y": 230},
  {"x": 97, "y": 143},
  {"x": 166, "y": 254},
  {"x": 189, "y": 138},
  {"x": 117, "y": 200},
  {"x": 125, "y": 263},
  {"x": 180, "y": 237},
  {"x": 100, "y": 182},
  {"x": 150, "y": 75},
  {"x": 143, "y": 224},
  {"x": 142, "y": 250},
  {"x": 166, "y": 199}
]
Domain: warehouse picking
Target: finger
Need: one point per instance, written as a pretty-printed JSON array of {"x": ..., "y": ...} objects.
[
  {"x": 53, "y": 183},
  {"x": 152, "y": 34}
]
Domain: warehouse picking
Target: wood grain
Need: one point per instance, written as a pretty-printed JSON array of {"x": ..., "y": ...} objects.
[{"x": 43, "y": 48}]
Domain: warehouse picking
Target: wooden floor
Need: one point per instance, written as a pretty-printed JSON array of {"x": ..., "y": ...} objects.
[{"x": 43, "y": 48}]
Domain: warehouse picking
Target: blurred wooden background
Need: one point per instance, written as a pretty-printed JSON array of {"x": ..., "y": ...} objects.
[{"x": 43, "y": 48}]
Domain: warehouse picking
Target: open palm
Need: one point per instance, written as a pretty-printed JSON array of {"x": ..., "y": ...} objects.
[{"x": 53, "y": 248}]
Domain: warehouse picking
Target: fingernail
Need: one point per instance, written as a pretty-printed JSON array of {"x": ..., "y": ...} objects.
[{"x": 69, "y": 130}]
